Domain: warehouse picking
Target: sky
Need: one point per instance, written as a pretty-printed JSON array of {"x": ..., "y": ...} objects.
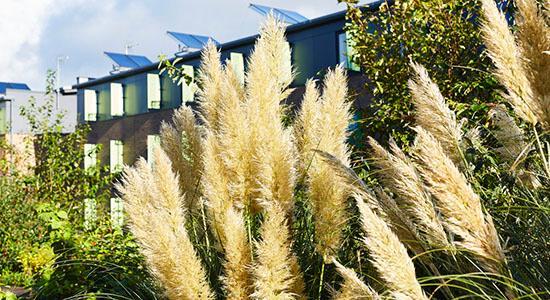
[{"x": 34, "y": 33}]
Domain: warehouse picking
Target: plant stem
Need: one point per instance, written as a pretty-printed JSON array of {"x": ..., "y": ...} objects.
[{"x": 321, "y": 279}]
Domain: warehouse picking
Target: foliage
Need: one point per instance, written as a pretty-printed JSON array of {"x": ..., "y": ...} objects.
[
  {"x": 461, "y": 181},
  {"x": 100, "y": 262},
  {"x": 44, "y": 243},
  {"x": 444, "y": 36}
]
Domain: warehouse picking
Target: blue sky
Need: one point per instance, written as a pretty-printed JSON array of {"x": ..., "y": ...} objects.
[{"x": 33, "y": 33}]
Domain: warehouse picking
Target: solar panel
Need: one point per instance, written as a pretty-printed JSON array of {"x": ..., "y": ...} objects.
[
  {"x": 140, "y": 60},
  {"x": 128, "y": 60},
  {"x": 12, "y": 85},
  {"x": 191, "y": 40},
  {"x": 286, "y": 16}
]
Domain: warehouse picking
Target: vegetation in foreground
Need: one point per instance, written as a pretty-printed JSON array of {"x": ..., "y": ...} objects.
[
  {"x": 258, "y": 208},
  {"x": 268, "y": 213}
]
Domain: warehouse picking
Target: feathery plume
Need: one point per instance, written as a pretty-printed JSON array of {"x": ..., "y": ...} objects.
[
  {"x": 458, "y": 203},
  {"x": 383, "y": 204},
  {"x": 508, "y": 134},
  {"x": 157, "y": 220},
  {"x": 533, "y": 37},
  {"x": 398, "y": 173},
  {"x": 238, "y": 258},
  {"x": 509, "y": 63},
  {"x": 326, "y": 129},
  {"x": 275, "y": 266},
  {"x": 182, "y": 142},
  {"x": 353, "y": 288},
  {"x": 432, "y": 112},
  {"x": 306, "y": 125},
  {"x": 210, "y": 95},
  {"x": 269, "y": 74},
  {"x": 389, "y": 256}
]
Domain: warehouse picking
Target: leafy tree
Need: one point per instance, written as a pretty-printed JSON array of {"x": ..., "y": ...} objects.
[{"x": 442, "y": 35}]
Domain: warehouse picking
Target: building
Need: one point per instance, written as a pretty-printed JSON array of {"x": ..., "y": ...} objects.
[
  {"x": 125, "y": 109},
  {"x": 15, "y": 129}
]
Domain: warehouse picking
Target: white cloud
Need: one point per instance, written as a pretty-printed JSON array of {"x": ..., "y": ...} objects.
[
  {"x": 21, "y": 28},
  {"x": 34, "y": 32}
]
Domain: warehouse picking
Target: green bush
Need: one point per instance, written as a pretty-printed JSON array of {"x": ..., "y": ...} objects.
[
  {"x": 43, "y": 240},
  {"x": 444, "y": 36}
]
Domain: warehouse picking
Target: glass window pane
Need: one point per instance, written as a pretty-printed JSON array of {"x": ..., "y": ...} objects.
[
  {"x": 116, "y": 158},
  {"x": 237, "y": 63},
  {"x": 188, "y": 90},
  {"x": 153, "y": 91},
  {"x": 153, "y": 142},
  {"x": 117, "y": 99},
  {"x": 90, "y": 105},
  {"x": 117, "y": 212}
]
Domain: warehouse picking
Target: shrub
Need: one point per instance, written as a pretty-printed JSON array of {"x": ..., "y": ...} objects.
[
  {"x": 44, "y": 243},
  {"x": 444, "y": 36}
]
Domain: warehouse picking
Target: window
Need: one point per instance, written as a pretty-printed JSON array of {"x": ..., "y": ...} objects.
[
  {"x": 237, "y": 63},
  {"x": 117, "y": 212},
  {"x": 117, "y": 100},
  {"x": 117, "y": 157},
  {"x": 153, "y": 142},
  {"x": 3, "y": 123},
  {"x": 188, "y": 90},
  {"x": 90, "y": 156},
  {"x": 90, "y": 213},
  {"x": 345, "y": 52},
  {"x": 153, "y": 91},
  {"x": 90, "y": 105}
]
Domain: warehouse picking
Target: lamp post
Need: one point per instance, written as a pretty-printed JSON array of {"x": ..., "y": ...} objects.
[{"x": 60, "y": 60}]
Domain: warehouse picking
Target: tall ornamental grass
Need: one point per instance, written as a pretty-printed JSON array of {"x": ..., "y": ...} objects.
[{"x": 246, "y": 206}]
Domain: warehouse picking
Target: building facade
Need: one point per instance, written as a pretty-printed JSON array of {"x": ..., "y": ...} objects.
[
  {"x": 125, "y": 110},
  {"x": 15, "y": 129}
]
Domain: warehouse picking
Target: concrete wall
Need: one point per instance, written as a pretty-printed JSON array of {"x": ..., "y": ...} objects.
[{"x": 18, "y": 124}]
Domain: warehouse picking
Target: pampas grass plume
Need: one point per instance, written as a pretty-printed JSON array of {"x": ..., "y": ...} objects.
[
  {"x": 432, "y": 112},
  {"x": 182, "y": 141},
  {"x": 157, "y": 220},
  {"x": 353, "y": 288},
  {"x": 389, "y": 256},
  {"x": 458, "y": 203}
]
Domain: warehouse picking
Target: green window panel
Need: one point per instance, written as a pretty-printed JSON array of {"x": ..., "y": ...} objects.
[
  {"x": 170, "y": 93},
  {"x": 117, "y": 212},
  {"x": 117, "y": 100},
  {"x": 188, "y": 90},
  {"x": 90, "y": 105},
  {"x": 116, "y": 157},
  {"x": 104, "y": 102},
  {"x": 90, "y": 156},
  {"x": 346, "y": 52},
  {"x": 237, "y": 63},
  {"x": 90, "y": 213},
  {"x": 153, "y": 143},
  {"x": 153, "y": 91}
]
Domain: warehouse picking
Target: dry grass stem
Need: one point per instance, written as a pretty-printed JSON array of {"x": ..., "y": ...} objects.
[
  {"x": 157, "y": 220},
  {"x": 432, "y": 112},
  {"x": 276, "y": 271},
  {"x": 399, "y": 174},
  {"x": 388, "y": 255},
  {"x": 322, "y": 124},
  {"x": 509, "y": 61},
  {"x": 458, "y": 203},
  {"x": 182, "y": 141},
  {"x": 353, "y": 288}
]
